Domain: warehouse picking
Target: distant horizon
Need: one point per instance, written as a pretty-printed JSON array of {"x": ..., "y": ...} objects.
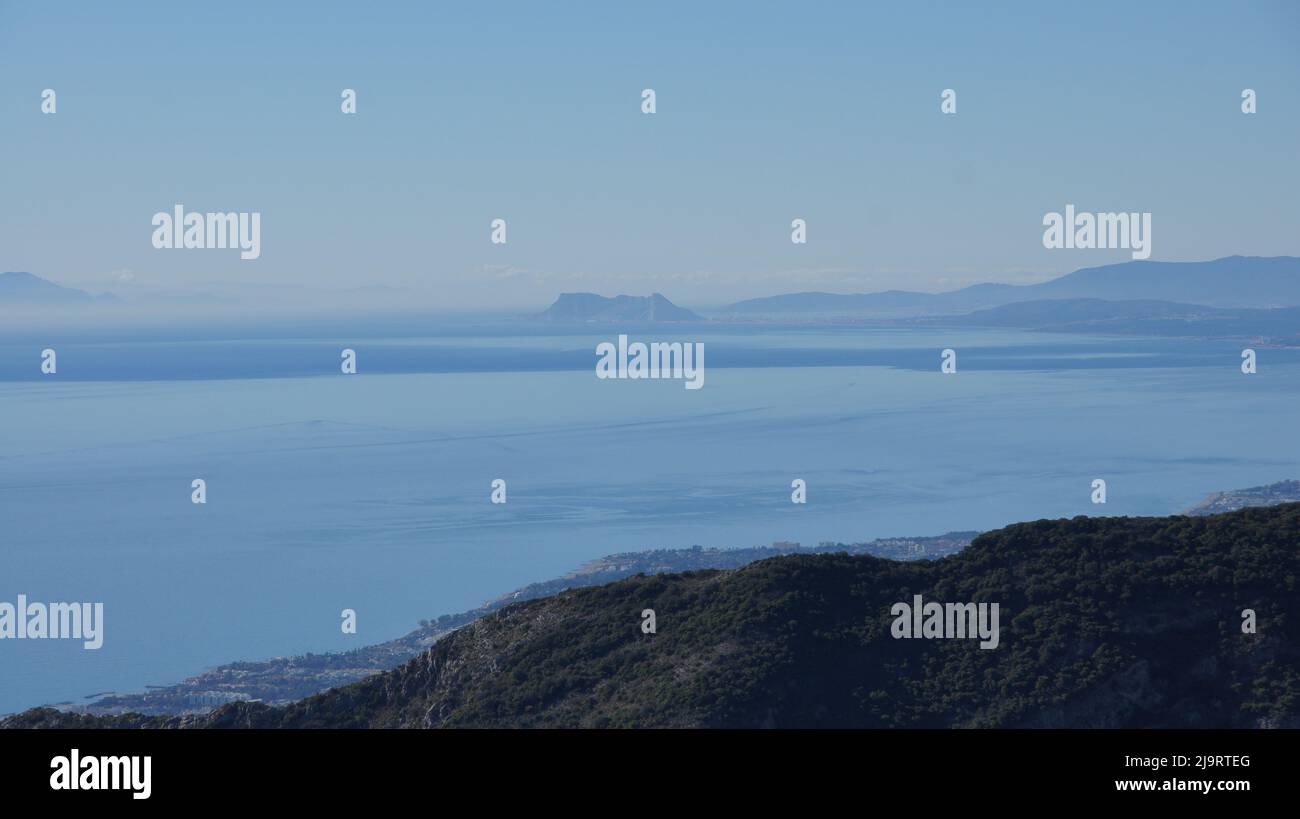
[
  {"x": 832, "y": 117},
  {"x": 228, "y": 300}
]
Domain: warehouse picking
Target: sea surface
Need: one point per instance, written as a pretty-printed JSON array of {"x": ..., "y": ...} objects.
[{"x": 372, "y": 491}]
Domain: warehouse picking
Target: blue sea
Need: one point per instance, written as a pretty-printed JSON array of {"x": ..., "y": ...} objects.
[{"x": 372, "y": 491}]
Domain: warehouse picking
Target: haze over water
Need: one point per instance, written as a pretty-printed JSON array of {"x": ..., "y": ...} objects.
[{"x": 371, "y": 491}]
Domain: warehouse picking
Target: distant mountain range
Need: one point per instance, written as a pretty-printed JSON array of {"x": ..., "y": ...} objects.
[
  {"x": 1160, "y": 298},
  {"x": 26, "y": 289},
  {"x": 1279, "y": 325},
  {"x": 1112, "y": 622},
  {"x": 1244, "y": 297},
  {"x": 581, "y": 307},
  {"x": 1232, "y": 282}
]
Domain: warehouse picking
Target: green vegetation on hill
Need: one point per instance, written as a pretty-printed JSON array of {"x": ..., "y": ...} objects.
[
  {"x": 1106, "y": 622},
  {"x": 282, "y": 680}
]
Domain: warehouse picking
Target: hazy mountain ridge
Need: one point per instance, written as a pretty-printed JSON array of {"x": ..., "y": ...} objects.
[
  {"x": 1105, "y": 622},
  {"x": 26, "y": 289},
  {"x": 1230, "y": 282},
  {"x": 1278, "y": 325}
]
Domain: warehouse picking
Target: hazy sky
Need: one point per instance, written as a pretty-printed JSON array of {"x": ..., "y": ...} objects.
[{"x": 531, "y": 112}]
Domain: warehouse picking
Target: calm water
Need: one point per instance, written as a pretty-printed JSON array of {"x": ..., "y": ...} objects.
[{"x": 371, "y": 491}]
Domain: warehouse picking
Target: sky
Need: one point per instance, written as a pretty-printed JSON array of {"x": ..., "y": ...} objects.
[{"x": 531, "y": 113}]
